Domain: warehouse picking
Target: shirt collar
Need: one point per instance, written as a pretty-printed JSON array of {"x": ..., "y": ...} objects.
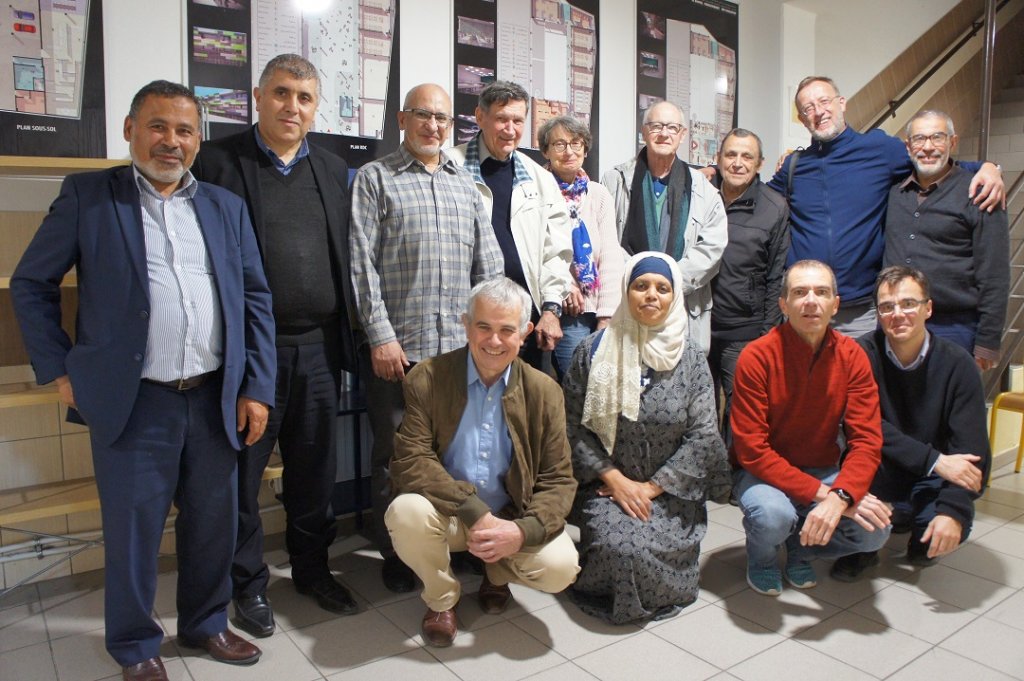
[
  {"x": 473, "y": 376},
  {"x": 302, "y": 153},
  {"x": 916, "y": 361},
  {"x": 188, "y": 184},
  {"x": 477, "y": 153},
  {"x": 444, "y": 162},
  {"x": 912, "y": 183}
]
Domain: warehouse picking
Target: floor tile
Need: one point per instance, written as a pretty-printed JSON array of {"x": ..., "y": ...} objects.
[
  {"x": 1010, "y": 611},
  {"x": 83, "y": 658},
  {"x": 22, "y": 625},
  {"x": 30, "y": 662},
  {"x": 347, "y": 642},
  {"x": 792, "y": 661},
  {"x": 999, "y": 514},
  {"x": 721, "y": 535},
  {"x": 570, "y": 631},
  {"x": 990, "y": 643},
  {"x": 416, "y": 664},
  {"x": 728, "y": 515},
  {"x": 1004, "y": 539},
  {"x": 719, "y": 579},
  {"x": 863, "y": 643},
  {"x": 941, "y": 665},
  {"x": 645, "y": 656},
  {"x": 912, "y": 613},
  {"x": 991, "y": 565},
  {"x": 502, "y": 652},
  {"x": 292, "y": 610},
  {"x": 701, "y": 633},
  {"x": 845, "y": 594},
  {"x": 73, "y": 606},
  {"x": 281, "y": 659},
  {"x": 563, "y": 672},
  {"x": 791, "y": 612},
  {"x": 367, "y": 584},
  {"x": 963, "y": 590}
]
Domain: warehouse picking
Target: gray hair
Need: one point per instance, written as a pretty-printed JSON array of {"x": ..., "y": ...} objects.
[
  {"x": 742, "y": 132},
  {"x": 295, "y": 66},
  {"x": 928, "y": 113},
  {"x": 805, "y": 265},
  {"x": 679, "y": 110},
  {"x": 572, "y": 126},
  {"x": 501, "y": 92},
  {"x": 813, "y": 79},
  {"x": 505, "y": 294},
  {"x": 162, "y": 88}
]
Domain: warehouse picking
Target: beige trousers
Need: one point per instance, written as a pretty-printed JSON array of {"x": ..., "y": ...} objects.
[{"x": 424, "y": 540}]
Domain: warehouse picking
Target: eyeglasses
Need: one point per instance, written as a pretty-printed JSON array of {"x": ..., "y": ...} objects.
[
  {"x": 670, "y": 128},
  {"x": 938, "y": 139},
  {"x": 907, "y": 306},
  {"x": 424, "y": 116},
  {"x": 560, "y": 145},
  {"x": 822, "y": 103}
]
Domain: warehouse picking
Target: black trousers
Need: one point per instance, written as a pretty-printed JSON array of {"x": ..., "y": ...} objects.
[{"x": 304, "y": 422}]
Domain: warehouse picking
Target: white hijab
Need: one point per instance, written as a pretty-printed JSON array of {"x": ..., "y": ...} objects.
[{"x": 627, "y": 347}]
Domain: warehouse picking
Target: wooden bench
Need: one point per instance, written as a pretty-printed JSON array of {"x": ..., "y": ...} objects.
[{"x": 51, "y": 500}]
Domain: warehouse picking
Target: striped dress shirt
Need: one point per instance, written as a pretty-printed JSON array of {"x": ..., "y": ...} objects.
[
  {"x": 186, "y": 336},
  {"x": 419, "y": 242}
]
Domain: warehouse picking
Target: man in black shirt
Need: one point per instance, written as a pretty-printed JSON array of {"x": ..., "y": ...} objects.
[{"x": 935, "y": 451}]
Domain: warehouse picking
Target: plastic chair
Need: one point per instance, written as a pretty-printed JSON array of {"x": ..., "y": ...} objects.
[{"x": 1007, "y": 402}]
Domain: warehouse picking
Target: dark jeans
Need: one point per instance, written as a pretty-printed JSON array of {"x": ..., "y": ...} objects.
[
  {"x": 574, "y": 330},
  {"x": 957, "y": 328},
  {"x": 304, "y": 423},
  {"x": 722, "y": 362}
]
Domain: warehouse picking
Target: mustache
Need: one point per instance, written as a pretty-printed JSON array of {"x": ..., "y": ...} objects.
[{"x": 169, "y": 151}]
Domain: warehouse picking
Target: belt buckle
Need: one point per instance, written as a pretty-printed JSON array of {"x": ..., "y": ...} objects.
[{"x": 181, "y": 384}]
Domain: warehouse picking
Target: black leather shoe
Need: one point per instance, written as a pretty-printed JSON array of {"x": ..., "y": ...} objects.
[
  {"x": 397, "y": 576},
  {"x": 849, "y": 568},
  {"x": 254, "y": 616},
  {"x": 330, "y": 596}
]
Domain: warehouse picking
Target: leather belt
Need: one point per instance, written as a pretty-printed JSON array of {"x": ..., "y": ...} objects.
[{"x": 183, "y": 384}]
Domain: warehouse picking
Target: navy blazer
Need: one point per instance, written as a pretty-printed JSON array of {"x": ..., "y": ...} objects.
[
  {"x": 233, "y": 163},
  {"x": 95, "y": 225}
]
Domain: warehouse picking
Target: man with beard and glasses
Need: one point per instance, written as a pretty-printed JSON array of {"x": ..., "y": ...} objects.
[
  {"x": 171, "y": 368},
  {"x": 838, "y": 192},
  {"x": 421, "y": 239},
  {"x": 932, "y": 226}
]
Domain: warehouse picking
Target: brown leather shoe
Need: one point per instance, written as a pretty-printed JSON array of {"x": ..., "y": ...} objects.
[
  {"x": 493, "y": 598},
  {"x": 439, "y": 628},
  {"x": 227, "y": 647},
  {"x": 147, "y": 670}
]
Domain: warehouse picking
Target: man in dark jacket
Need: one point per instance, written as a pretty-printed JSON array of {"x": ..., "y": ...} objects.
[
  {"x": 298, "y": 199},
  {"x": 746, "y": 289},
  {"x": 935, "y": 450}
]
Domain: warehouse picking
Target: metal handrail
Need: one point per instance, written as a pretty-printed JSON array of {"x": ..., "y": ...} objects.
[
  {"x": 1009, "y": 345},
  {"x": 921, "y": 80}
]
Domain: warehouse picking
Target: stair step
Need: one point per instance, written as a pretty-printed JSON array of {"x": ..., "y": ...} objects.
[
  {"x": 1011, "y": 94},
  {"x": 1008, "y": 109}
]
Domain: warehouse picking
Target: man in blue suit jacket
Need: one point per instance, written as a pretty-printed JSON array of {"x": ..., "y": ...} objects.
[{"x": 172, "y": 367}]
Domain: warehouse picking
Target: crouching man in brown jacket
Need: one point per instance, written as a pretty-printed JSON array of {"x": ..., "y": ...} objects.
[{"x": 481, "y": 464}]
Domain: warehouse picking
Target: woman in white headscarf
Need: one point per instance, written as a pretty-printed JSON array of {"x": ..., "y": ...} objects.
[{"x": 646, "y": 451}]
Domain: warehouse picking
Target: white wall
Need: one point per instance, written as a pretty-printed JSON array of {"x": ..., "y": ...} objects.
[{"x": 855, "y": 40}]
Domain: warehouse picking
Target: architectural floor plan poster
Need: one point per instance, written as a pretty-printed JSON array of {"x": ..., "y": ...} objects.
[
  {"x": 351, "y": 42},
  {"x": 687, "y": 55},
  {"x": 547, "y": 46},
  {"x": 51, "y": 78}
]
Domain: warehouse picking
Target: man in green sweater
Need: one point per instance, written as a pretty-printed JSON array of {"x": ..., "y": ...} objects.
[{"x": 935, "y": 451}]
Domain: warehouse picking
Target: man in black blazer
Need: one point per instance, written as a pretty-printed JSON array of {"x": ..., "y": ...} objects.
[
  {"x": 171, "y": 368},
  {"x": 298, "y": 199}
]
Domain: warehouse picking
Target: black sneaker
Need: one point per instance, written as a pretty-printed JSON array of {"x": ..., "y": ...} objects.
[
  {"x": 330, "y": 595},
  {"x": 397, "y": 576},
  {"x": 917, "y": 553},
  {"x": 849, "y": 568}
]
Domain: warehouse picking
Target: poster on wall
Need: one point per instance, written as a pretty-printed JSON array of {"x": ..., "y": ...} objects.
[
  {"x": 51, "y": 79},
  {"x": 353, "y": 44},
  {"x": 686, "y": 53},
  {"x": 547, "y": 46}
]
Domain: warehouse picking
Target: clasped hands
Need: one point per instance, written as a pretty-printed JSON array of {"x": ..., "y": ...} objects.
[
  {"x": 870, "y": 513},
  {"x": 633, "y": 497},
  {"x": 490, "y": 538}
]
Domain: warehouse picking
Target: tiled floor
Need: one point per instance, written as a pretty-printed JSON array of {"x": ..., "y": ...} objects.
[{"x": 962, "y": 620}]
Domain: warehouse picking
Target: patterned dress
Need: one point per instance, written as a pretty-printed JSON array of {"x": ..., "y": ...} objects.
[{"x": 634, "y": 570}]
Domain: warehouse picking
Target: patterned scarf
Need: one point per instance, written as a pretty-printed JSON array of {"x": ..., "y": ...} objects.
[{"x": 583, "y": 266}]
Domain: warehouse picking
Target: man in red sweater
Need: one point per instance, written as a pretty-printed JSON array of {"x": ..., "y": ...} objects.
[{"x": 793, "y": 389}]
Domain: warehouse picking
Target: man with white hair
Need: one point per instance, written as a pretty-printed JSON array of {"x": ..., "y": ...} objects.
[
  {"x": 662, "y": 205},
  {"x": 482, "y": 464},
  {"x": 932, "y": 226}
]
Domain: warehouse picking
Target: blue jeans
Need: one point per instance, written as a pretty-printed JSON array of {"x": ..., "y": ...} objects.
[
  {"x": 772, "y": 519},
  {"x": 574, "y": 330},
  {"x": 958, "y": 328}
]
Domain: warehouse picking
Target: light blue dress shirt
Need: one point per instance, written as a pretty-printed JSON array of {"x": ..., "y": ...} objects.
[{"x": 481, "y": 451}]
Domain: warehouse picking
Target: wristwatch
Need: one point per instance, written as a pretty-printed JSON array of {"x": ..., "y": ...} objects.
[
  {"x": 844, "y": 495},
  {"x": 553, "y": 308}
]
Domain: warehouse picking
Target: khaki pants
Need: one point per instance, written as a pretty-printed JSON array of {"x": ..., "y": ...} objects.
[{"x": 424, "y": 538}]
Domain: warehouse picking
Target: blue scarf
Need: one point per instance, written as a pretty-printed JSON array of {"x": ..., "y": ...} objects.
[{"x": 583, "y": 266}]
